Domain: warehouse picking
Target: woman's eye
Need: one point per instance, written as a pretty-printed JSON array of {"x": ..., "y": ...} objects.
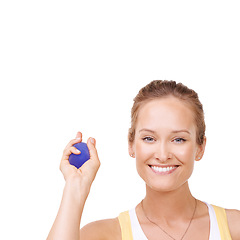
[
  {"x": 148, "y": 139},
  {"x": 179, "y": 140}
]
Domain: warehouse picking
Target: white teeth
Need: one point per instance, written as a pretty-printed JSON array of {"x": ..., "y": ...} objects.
[{"x": 162, "y": 169}]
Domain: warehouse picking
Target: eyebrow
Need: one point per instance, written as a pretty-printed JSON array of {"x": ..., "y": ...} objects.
[
  {"x": 175, "y": 131},
  {"x": 146, "y": 130}
]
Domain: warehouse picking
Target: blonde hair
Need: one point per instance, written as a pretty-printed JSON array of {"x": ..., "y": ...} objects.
[{"x": 164, "y": 88}]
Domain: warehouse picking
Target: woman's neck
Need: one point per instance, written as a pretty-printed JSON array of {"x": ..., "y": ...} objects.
[{"x": 169, "y": 205}]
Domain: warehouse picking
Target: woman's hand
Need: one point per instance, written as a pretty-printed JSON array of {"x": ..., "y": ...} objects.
[
  {"x": 87, "y": 172},
  {"x": 76, "y": 190}
]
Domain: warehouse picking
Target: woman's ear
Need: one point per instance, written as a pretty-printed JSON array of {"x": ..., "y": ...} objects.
[
  {"x": 131, "y": 150},
  {"x": 201, "y": 150}
]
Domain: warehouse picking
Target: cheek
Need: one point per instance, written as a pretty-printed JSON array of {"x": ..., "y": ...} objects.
[
  {"x": 142, "y": 152},
  {"x": 186, "y": 153}
]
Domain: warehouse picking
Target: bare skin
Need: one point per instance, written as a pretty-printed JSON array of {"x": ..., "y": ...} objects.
[
  {"x": 168, "y": 141},
  {"x": 77, "y": 188}
]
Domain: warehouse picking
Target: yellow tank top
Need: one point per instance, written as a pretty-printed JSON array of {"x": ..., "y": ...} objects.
[
  {"x": 222, "y": 223},
  {"x": 126, "y": 228}
]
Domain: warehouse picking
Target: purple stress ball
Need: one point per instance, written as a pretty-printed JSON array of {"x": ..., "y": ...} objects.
[{"x": 80, "y": 159}]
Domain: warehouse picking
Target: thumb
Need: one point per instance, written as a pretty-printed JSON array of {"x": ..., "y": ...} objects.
[{"x": 91, "y": 143}]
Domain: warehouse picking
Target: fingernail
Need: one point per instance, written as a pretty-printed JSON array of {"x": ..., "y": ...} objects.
[
  {"x": 92, "y": 140},
  {"x": 78, "y": 138}
]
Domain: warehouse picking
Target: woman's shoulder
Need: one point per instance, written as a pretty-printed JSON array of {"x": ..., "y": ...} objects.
[
  {"x": 102, "y": 230},
  {"x": 233, "y": 217}
]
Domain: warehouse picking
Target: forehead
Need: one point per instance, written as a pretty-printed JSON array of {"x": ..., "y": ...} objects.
[{"x": 169, "y": 113}]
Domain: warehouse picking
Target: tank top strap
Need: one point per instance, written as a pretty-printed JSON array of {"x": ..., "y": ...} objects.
[
  {"x": 125, "y": 225},
  {"x": 222, "y": 223}
]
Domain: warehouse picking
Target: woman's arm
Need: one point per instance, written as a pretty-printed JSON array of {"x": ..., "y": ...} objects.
[
  {"x": 233, "y": 217},
  {"x": 67, "y": 223},
  {"x": 77, "y": 187}
]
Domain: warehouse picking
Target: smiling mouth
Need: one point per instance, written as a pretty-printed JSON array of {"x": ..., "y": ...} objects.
[{"x": 164, "y": 170}]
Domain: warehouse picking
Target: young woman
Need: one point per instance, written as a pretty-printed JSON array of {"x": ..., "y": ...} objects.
[{"x": 166, "y": 137}]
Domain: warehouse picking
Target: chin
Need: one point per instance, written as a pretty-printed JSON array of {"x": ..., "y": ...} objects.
[
  {"x": 166, "y": 186},
  {"x": 161, "y": 188}
]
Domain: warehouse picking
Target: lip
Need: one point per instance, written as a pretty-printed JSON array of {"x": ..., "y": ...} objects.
[{"x": 163, "y": 169}]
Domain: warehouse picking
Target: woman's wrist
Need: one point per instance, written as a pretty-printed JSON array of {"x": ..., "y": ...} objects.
[{"x": 75, "y": 188}]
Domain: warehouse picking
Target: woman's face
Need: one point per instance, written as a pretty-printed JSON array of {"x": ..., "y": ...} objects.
[{"x": 165, "y": 144}]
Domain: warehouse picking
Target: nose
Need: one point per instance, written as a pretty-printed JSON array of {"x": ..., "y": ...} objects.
[{"x": 163, "y": 152}]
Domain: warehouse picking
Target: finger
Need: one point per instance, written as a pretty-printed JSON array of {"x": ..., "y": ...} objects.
[
  {"x": 91, "y": 143},
  {"x": 69, "y": 151},
  {"x": 79, "y": 135},
  {"x": 78, "y": 139}
]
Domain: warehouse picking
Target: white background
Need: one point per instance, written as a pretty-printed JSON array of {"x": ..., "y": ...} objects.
[{"x": 76, "y": 65}]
